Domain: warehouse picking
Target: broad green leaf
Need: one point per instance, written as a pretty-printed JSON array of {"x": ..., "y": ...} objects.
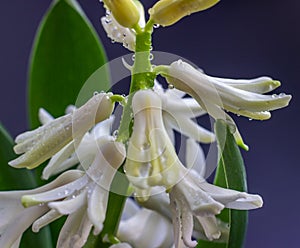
[
  {"x": 230, "y": 174},
  {"x": 16, "y": 179},
  {"x": 66, "y": 52}
]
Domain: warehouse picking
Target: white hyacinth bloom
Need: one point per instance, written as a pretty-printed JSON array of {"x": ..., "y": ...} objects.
[
  {"x": 178, "y": 113},
  {"x": 86, "y": 150},
  {"x": 150, "y": 154},
  {"x": 155, "y": 230},
  {"x": 242, "y": 97},
  {"x": 42, "y": 143},
  {"x": 83, "y": 196},
  {"x": 194, "y": 198},
  {"x": 117, "y": 33}
]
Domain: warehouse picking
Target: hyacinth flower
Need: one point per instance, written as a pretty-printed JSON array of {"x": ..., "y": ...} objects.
[
  {"x": 158, "y": 165},
  {"x": 240, "y": 96},
  {"x": 85, "y": 151},
  {"x": 122, "y": 30},
  {"x": 42, "y": 143},
  {"x": 81, "y": 195},
  {"x": 178, "y": 205}
]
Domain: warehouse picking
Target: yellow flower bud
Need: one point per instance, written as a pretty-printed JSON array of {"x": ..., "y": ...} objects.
[
  {"x": 167, "y": 12},
  {"x": 124, "y": 11}
]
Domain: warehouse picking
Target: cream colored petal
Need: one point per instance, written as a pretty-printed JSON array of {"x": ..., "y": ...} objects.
[
  {"x": 17, "y": 225},
  {"x": 195, "y": 82},
  {"x": 44, "y": 116},
  {"x": 57, "y": 160},
  {"x": 70, "y": 205},
  {"x": 154, "y": 230},
  {"x": 59, "y": 192},
  {"x": 44, "y": 142},
  {"x": 118, "y": 33},
  {"x": 75, "y": 231},
  {"x": 46, "y": 219},
  {"x": 210, "y": 227},
  {"x": 256, "y": 85},
  {"x": 195, "y": 158},
  {"x": 97, "y": 205}
]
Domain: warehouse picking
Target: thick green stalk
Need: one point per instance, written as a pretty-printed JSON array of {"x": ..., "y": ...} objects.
[{"x": 142, "y": 77}]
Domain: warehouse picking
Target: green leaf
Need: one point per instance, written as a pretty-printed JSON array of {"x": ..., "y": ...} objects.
[
  {"x": 16, "y": 179},
  {"x": 66, "y": 52},
  {"x": 230, "y": 174}
]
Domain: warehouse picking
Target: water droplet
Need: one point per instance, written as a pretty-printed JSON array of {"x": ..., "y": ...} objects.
[
  {"x": 145, "y": 146},
  {"x": 151, "y": 48},
  {"x": 107, "y": 20},
  {"x": 115, "y": 133},
  {"x": 66, "y": 191},
  {"x": 250, "y": 119},
  {"x": 95, "y": 93},
  {"x": 171, "y": 86},
  {"x": 133, "y": 57},
  {"x": 113, "y": 41},
  {"x": 156, "y": 25},
  {"x": 282, "y": 95},
  {"x": 124, "y": 35},
  {"x": 41, "y": 204},
  {"x": 274, "y": 96},
  {"x": 151, "y": 56}
]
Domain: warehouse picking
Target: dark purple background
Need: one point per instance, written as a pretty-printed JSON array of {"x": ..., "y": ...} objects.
[{"x": 239, "y": 39}]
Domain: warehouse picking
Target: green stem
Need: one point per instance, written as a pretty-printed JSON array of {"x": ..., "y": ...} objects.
[{"x": 142, "y": 77}]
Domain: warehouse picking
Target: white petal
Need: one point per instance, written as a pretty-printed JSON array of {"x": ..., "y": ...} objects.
[
  {"x": 116, "y": 32},
  {"x": 46, "y": 219},
  {"x": 10, "y": 232},
  {"x": 187, "y": 225},
  {"x": 97, "y": 205},
  {"x": 44, "y": 116},
  {"x": 232, "y": 198},
  {"x": 154, "y": 230},
  {"x": 121, "y": 245},
  {"x": 191, "y": 129},
  {"x": 196, "y": 83},
  {"x": 210, "y": 226},
  {"x": 103, "y": 128},
  {"x": 195, "y": 158},
  {"x": 75, "y": 231},
  {"x": 130, "y": 209},
  {"x": 57, "y": 160},
  {"x": 71, "y": 205},
  {"x": 158, "y": 201},
  {"x": 256, "y": 85},
  {"x": 44, "y": 142},
  {"x": 60, "y": 192}
]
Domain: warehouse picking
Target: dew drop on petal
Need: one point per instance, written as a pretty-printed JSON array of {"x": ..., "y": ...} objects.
[
  {"x": 281, "y": 95},
  {"x": 115, "y": 133},
  {"x": 151, "y": 56},
  {"x": 171, "y": 86},
  {"x": 133, "y": 57},
  {"x": 156, "y": 25}
]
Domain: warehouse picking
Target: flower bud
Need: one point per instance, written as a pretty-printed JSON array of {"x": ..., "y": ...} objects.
[
  {"x": 167, "y": 12},
  {"x": 124, "y": 11}
]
